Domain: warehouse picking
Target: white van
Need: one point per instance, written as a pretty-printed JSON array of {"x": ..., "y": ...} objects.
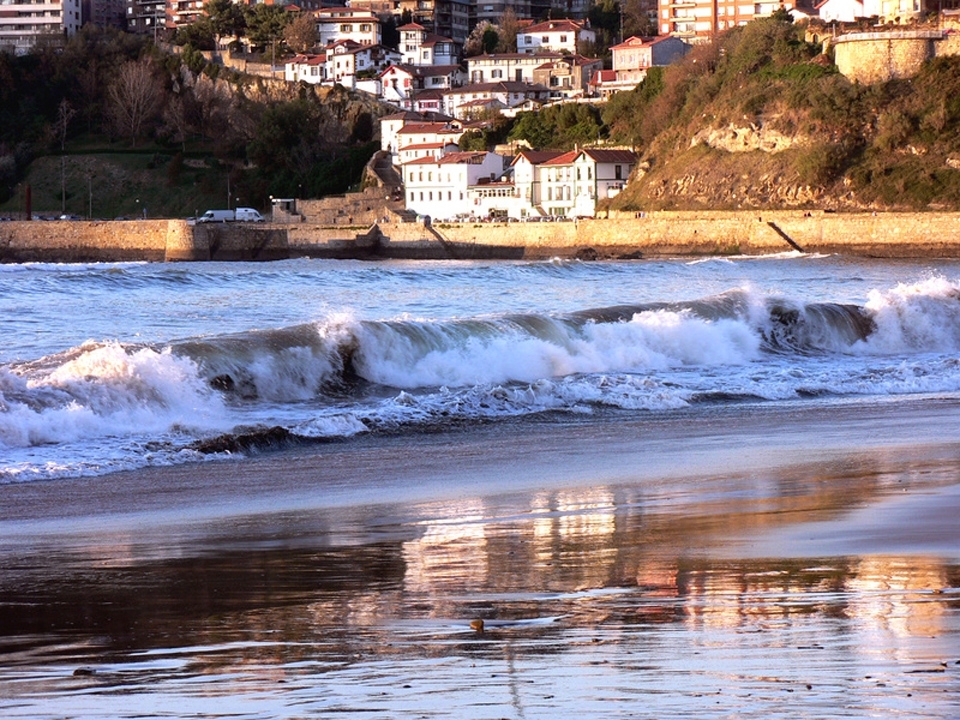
[
  {"x": 217, "y": 216},
  {"x": 249, "y": 215}
]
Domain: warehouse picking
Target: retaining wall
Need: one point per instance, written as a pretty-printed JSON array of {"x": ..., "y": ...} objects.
[{"x": 893, "y": 235}]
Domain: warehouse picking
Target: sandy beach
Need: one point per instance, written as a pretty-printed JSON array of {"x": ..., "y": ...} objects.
[{"x": 714, "y": 565}]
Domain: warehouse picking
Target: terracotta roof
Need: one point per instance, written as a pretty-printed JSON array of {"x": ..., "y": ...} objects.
[
  {"x": 536, "y": 157},
  {"x": 627, "y": 157},
  {"x": 425, "y": 127},
  {"x": 554, "y": 26},
  {"x": 563, "y": 159},
  {"x": 426, "y": 146},
  {"x": 452, "y": 158},
  {"x": 411, "y": 26}
]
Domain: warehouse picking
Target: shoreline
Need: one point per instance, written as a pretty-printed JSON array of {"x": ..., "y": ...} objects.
[
  {"x": 621, "y": 236},
  {"x": 679, "y": 459}
]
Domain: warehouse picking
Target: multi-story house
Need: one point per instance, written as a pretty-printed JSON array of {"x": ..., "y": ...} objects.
[
  {"x": 400, "y": 85},
  {"x": 508, "y": 94},
  {"x": 418, "y": 46},
  {"x": 26, "y": 23},
  {"x": 570, "y": 183},
  {"x": 517, "y": 67},
  {"x": 343, "y": 23},
  {"x": 347, "y": 61},
  {"x": 393, "y": 124},
  {"x": 563, "y": 36},
  {"x": 448, "y": 18},
  {"x": 698, "y": 21},
  {"x": 438, "y": 187},
  {"x": 306, "y": 68},
  {"x": 633, "y": 58},
  {"x": 568, "y": 76}
]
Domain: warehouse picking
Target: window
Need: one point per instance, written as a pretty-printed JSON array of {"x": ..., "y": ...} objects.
[
  {"x": 346, "y": 28},
  {"x": 497, "y": 74},
  {"x": 563, "y": 38},
  {"x": 618, "y": 172},
  {"x": 545, "y": 40},
  {"x": 365, "y": 27}
]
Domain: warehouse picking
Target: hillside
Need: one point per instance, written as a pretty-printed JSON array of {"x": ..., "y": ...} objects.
[
  {"x": 761, "y": 119},
  {"x": 112, "y": 125}
]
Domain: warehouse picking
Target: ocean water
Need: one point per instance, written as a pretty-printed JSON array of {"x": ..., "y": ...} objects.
[
  {"x": 717, "y": 488},
  {"x": 107, "y": 367}
]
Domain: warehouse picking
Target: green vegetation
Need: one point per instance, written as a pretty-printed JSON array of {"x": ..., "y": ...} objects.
[
  {"x": 110, "y": 125},
  {"x": 891, "y": 145}
]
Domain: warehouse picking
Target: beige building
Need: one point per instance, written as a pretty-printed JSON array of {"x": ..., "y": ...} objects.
[
  {"x": 700, "y": 20},
  {"x": 23, "y": 25}
]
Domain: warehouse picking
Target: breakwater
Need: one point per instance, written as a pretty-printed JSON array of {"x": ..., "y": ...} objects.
[{"x": 891, "y": 235}]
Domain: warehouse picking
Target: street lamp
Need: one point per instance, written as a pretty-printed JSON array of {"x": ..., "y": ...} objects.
[{"x": 138, "y": 207}]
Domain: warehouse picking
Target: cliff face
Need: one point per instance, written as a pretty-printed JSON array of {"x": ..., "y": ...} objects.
[{"x": 762, "y": 120}]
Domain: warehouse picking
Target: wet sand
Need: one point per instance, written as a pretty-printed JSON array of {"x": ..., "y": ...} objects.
[{"x": 783, "y": 562}]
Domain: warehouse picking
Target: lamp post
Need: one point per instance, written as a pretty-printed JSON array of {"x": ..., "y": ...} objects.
[{"x": 138, "y": 208}]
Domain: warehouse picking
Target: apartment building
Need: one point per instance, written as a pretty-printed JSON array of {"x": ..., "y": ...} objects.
[
  {"x": 697, "y": 21},
  {"x": 23, "y": 25}
]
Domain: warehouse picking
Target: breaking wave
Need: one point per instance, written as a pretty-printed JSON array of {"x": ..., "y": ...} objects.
[{"x": 340, "y": 376}]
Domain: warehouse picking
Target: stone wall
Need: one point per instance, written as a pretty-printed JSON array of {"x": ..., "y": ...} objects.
[
  {"x": 625, "y": 235},
  {"x": 875, "y": 57}
]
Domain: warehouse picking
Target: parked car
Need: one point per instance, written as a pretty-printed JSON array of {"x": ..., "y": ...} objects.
[
  {"x": 245, "y": 214},
  {"x": 217, "y": 216}
]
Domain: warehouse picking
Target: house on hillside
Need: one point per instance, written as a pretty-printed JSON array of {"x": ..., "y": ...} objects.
[
  {"x": 418, "y": 46},
  {"x": 568, "y": 76},
  {"x": 390, "y": 125},
  {"x": 306, "y": 68},
  {"x": 401, "y": 84},
  {"x": 517, "y": 67},
  {"x": 557, "y": 35},
  {"x": 346, "y": 60},
  {"x": 343, "y": 23},
  {"x": 459, "y": 101},
  {"x": 635, "y": 55},
  {"x": 438, "y": 187}
]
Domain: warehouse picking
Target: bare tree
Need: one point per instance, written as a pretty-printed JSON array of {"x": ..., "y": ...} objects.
[
  {"x": 508, "y": 26},
  {"x": 301, "y": 34},
  {"x": 135, "y": 98},
  {"x": 65, "y": 113}
]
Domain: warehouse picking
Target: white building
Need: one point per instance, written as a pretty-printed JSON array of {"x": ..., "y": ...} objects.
[
  {"x": 570, "y": 184},
  {"x": 517, "y": 67},
  {"x": 346, "y": 60},
  {"x": 460, "y": 102},
  {"x": 557, "y": 35},
  {"x": 343, "y": 23},
  {"x": 306, "y": 68},
  {"x": 391, "y": 125},
  {"x": 400, "y": 84},
  {"x": 418, "y": 46},
  {"x": 438, "y": 187},
  {"x": 23, "y": 25},
  {"x": 635, "y": 55}
]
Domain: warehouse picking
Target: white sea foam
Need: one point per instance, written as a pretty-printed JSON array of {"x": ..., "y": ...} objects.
[
  {"x": 435, "y": 355},
  {"x": 923, "y": 316},
  {"x": 105, "y": 390}
]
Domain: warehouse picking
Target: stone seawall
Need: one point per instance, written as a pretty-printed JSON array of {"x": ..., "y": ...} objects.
[{"x": 661, "y": 234}]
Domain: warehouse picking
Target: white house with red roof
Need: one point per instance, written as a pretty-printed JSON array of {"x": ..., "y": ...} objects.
[
  {"x": 346, "y": 59},
  {"x": 439, "y": 187},
  {"x": 400, "y": 84},
  {"x": 570, "y": 183},
  {"x": 635, "y": 55},
  {"x": 461, "y": 101},
  {"x": 343, "y": 23},
  {"x": 557, "y": 35},
  {"x": 419, "y": 46},
  {"x": 391, "y": 125},
  {"x": 306, "y": 68},
  {"x": 500, "y": 67}
]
